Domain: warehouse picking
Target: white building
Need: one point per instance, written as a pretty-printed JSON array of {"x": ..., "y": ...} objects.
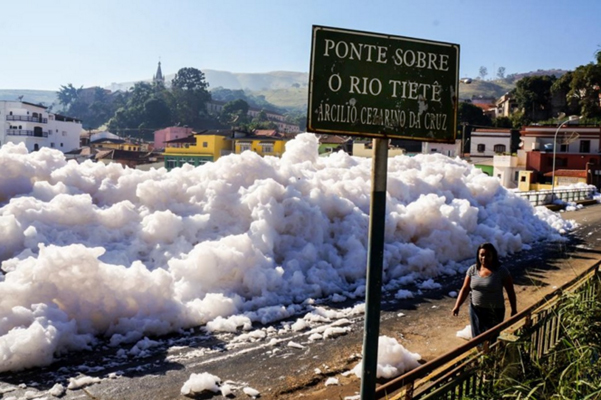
[
  {"x": 485, "y": 143},
  {"x": 448, "y": 149},
  {"x": 33, "y": 125},
  {"x": 507, "y": 169}
]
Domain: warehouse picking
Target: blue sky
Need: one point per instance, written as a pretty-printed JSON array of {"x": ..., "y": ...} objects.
[{"x": 88, "y": 43}]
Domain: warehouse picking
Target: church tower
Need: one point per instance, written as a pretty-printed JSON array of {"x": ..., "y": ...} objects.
[{"x": 159, "y": 78}]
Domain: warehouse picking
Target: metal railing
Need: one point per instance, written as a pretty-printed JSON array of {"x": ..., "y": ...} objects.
[
  {"x": 471, "y": 369},
  {"x": 544, "y": 197},
  {"x": 26, "y": 118},
  {"x": 25, "y": 132}
]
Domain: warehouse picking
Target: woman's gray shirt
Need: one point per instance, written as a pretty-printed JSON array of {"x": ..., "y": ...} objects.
[{"x": 487, "y": 292}]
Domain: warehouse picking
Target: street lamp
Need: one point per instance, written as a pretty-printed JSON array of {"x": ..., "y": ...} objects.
[
  {"x": 465, "y": 81},
  {"x": 571, "y": 118}
]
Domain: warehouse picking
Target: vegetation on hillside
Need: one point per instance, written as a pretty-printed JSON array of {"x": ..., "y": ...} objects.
[
  {"x": 147, "y": 107},
  {"x": 541, "y": 96}
]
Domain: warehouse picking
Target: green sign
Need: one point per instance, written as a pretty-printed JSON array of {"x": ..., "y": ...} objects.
[{"x": 382, "y": 86}]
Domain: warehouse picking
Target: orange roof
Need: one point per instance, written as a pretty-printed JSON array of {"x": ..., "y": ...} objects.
[
  {"x": 572, "y": 173},
  {"x": 266, "y": 132},
  {"x": 485, "y": 107}
]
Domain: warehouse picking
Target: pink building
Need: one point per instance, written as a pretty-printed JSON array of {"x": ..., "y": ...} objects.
[{"x": 173, "y": 132}]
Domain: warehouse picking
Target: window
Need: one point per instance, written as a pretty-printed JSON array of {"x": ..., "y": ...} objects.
[
  {"x": 516, "y": 176},
  {"x": 205, "y": 144},
  {"x": 499, "y": 148},
  {"x": 267, "y": 148},
  {"x": 244, "y": 147},
  {"x": 523, "y": 179},
  {"x": 585, "y": 146},
  {"x": 61, "y": 145},
  {"x": 481, "y": 148},
  {"x": 563, "y": 148},
  {"x": 52, "y": 144}
]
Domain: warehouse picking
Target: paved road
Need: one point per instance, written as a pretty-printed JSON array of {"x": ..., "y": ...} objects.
[{"x": 280, "y": 371}]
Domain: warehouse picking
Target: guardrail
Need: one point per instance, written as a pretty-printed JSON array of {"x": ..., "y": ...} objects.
[
  {"x": 25, "y": 132},
  {"x": 471, "y": 369},
  {"x": 26, "y": 118},
  {"x": 544, "y": 197}
]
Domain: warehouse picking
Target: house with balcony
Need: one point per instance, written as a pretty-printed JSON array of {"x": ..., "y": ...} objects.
[
  {"x": 35, "y": 127},
  {"x": 577, "y": 154},
  {"x": 506, "y": 106}
]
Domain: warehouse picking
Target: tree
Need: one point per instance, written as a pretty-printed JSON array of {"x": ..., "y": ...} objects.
[
  {"x": 234, "y": 113},
  {"x": 502, "y": 122},
  {"x": 133, "y": 114},
  {"x": 483, "y": 72},
  {"x": 67, "y": 95},
  {"x": 94, "y": 106},
  {"x": 585, "y": 87},
  {"x": 501, "y": 73},
  {"x": 157, "y": 113},
  {"x": 533, "y": 96},
  {"x": 472, "y": 115},
  {"x": 261, "y": 122},
  {"x": 190, "y": 79},
  {"x": 565, "y": 103},
  {"x": 190, "y": 93}
]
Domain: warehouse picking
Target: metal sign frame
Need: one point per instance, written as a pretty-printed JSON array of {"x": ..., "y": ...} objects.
[{"x": 382, "y": 86}]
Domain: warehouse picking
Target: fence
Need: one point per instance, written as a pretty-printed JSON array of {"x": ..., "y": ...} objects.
[
  {"x": 543, "y": 197},
  {"x": 466, "y": 371}
]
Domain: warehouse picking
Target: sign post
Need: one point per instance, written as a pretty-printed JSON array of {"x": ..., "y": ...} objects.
[
  {"x": 375, "y": 254},
  {"x": 384, "y": 87}
]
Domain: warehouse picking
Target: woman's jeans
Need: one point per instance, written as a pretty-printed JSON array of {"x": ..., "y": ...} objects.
[{"x": 483, "y": 319}]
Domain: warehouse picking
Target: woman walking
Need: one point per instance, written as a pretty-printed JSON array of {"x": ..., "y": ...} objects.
[{"x": 484, "y": 282}]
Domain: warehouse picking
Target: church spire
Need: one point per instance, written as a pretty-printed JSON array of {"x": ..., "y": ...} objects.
[{"x": 159, "y": 78}]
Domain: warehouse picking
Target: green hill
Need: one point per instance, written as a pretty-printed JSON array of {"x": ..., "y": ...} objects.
[{"x": 480, "y": 88}]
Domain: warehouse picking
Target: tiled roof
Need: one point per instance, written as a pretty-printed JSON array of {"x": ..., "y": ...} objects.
[
  {"x": 572, "y": 173},
  {"x": 186, "y": 139},
  {"x": 332, "y": 139}
]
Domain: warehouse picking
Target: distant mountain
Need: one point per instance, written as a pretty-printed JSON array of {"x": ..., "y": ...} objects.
[
  {"x": 235, "y": 81},
  {"x": 283, "y": 89},
  {"x": 44, "y": 97}
]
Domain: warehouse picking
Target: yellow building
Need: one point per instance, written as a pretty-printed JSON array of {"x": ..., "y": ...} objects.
[
  {"x": 262, "y": 145},
  {"x": 201, "y": 148},
  {"x": 197, "y": 149},
  {"x": 115, "y": 144}
]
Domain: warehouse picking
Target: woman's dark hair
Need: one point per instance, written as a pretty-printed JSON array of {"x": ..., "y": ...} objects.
[{"x": 492, "y": 250}]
